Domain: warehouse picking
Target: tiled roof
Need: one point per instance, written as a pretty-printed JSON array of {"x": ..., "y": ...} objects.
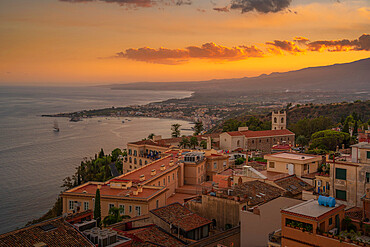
[
  {"x": 151, "y": 235},
  {"x": 90, "y": 188},
  {"x": 61, "y": 233},
  {"x": 261, "y": 133},
  {"x": 293, "y": 184},
  {"x": 146, "y": 170},
  {"x": 149, "y": 142},
  {"x": 180, "y": 216},
  {"x": 256, "y": 192}
]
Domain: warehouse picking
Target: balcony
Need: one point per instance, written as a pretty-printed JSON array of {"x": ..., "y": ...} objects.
[{"x": 275, "y": 238}]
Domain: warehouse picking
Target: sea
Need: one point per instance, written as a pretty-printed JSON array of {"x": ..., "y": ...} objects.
[{"x": 34, "y": 159}]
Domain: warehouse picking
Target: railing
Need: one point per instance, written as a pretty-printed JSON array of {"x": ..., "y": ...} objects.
[{"x": 275, "y": 236}]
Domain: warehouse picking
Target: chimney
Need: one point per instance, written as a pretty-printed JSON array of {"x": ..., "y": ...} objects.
[
  {"x": 140, "y": 188},
  {"x": 172, "y": 163},
  {"x": 135, "y": 192},
  {"x": 163, "y": 167},
  {"x": 157, "y": 138},
  {"x": 153, "y": 172},
  {"x": 142, "y": 177}
]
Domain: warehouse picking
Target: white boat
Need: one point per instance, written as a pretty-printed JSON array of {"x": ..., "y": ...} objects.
[{"x": 56, "y": 126}]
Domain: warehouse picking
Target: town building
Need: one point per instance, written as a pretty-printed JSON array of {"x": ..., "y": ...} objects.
[
  {"x": 278, "y": 120},
  {"x": 257, "y": 222},
  {"x": 135, "y": 200},
  {"x": 223, "y": 205},
  {"x": 361, "y": 153},
  {"x": 141, "y": 153},
  {"x": 302, "y": 165},
  {"x": 310, "y": 224},
  {"x": 179, "y": 220},
  {"x": 255, "y": 140}
]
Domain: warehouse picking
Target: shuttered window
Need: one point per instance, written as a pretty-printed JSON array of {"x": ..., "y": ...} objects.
[
  {"x": 341, "y": 194},
  {"x": 340, "y": 173}
]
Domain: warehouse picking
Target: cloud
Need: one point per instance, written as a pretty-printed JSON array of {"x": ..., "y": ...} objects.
[
  {"x": 136, "y": 3},
  {"x": 301, "y": 40},
  {"x": 283, "y": 45},
  {"x": 223, "y": 9},
  {"x": 213, "y": 52},
  {"x": 360, "y": 44},
  {"x": 261, "y": 6},
  {"x": 210, "y": 51}
]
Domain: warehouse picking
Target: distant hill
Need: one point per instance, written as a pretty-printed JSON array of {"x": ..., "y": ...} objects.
[{"x": 354, "y": 77}]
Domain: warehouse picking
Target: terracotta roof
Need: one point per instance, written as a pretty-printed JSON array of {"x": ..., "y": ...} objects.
[
  {"x": 180, "y": 216},
  {"x": 254, "y": 192},
  {"x": 151, "y": 235},
  {"x": 261, "y": 133},
  {"x": 105, "y": 190},
  {"x": 149, "y": 142},
  {"x": 293, "y": 185},
  {"x": 55, "y": 232},
  {"x": 146, "y": 170}
]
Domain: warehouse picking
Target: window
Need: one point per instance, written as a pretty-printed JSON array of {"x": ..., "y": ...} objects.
[
  {"x": 157, "y": 204},
  {"x": 130, "y": 209},
  {"x": 130, "y": 160},
  {"x": 252, "y": 141},
  {"x": 110, "y": 205},
  {"x": 330, "y": 221},
  {"x": 138, "y": 210},
  {"x": 71, "y": 205},
  {"x": 173, "y": 176},
  {"x": 140, "y": 162},
  {"x": 135, "y": 162},
  {"x": 286, "y": 166},
  {"x": 305, "y": 167},
  {"x": 86, "y": 206},
  {"x": 327, "y": 186},
  {"x": 260, "y": 140},
  {"x": 129, "y": 151},
  {"x": 275, "y": 120},
  {"x": 169, "y": 179},
  {"x": 146, "y": 162},
  {"x": 224, "y": 163},
  {"x": 368, "y": 154},
  {"x": 238, "y": 143},
  {"x": 123, "y": 209},
  {"x": 135, "y": 153},
  {"x": 159, "y": 183},
  {"x": 164, "y": 181},
  {"x": 214, "y": 165},
  {"x": 272, "y": 164},
  {"x": 267, "y": 140},
  {"x": 198, "y": 169},
  {"x": 341, "y": 195},
  {"x": 340, "y": 173},
  {"x": 282, "y": 120},
  {"x": 367, "y": 177}
]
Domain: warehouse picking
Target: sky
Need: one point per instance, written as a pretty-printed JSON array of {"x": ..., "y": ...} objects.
[{"x": 93, "y": 42}]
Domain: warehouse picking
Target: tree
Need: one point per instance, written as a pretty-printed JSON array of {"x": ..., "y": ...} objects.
[
  {"x": 302, "y": 141},
  {"x": 203, "y": 144},
  {"x": 150, "y": 136},
  {"x": 231, "y": 125},
  {"x": 97, "y": 208},
  {"x": 198, "y": 128},
  {"x": 101, "y": 153},
  {"x": 175, "y": 130},
  {"x": 184, "y": 142},
  {"x": 240, "y": 161},
  {"x": 329, "y": 139},
  {"x": 193, "y": 142},
  {"x": 307, "y": 127},
  {"x": 355, "y": 128},
  {"x": 114, "y": 216},
  {"x": 115, "y": 153},
  {"x": 346, "y": 127}
]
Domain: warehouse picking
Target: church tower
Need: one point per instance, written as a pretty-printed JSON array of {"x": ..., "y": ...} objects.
[{"x": 278, "y": 120}]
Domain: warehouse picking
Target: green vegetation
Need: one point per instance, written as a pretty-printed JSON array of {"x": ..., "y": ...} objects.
[
  {"x": 97, "y": 207},
  {"x": 253, "y": 123},
  {"x": 184, "y": 143},
  {"x": 150, "y": 136},
  {"x": 193, "y": 142},
  {"x": 306, "y": 127},
  {"x": 240, "y": 161},
  {"x": 198, "y": 128},
  {"x": 301, "y": 141},
  {"x": 114, "y": 216},
  {"x": 203, "y": 144},
  {"x": 329, "y": 140},
  {"x": 175, "y": 130}
]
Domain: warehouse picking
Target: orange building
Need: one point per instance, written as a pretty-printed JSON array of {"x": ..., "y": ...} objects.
[{"x": 310, "y": 224}]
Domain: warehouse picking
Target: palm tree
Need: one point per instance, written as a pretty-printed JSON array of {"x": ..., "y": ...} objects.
[
  {"x": 184, "y": 142},
  {"x": 114, "y": 216},
  {"x": 193, "y": 142},
  {"x": 203, "y": 144},
  {"x": 198, "y": 128},
  {"x": 175, "y": 130}
]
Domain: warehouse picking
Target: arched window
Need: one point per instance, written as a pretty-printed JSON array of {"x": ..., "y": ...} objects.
[
  {"x": 146, "y": 162},
  {"x": 275, "y": 120},
  {"x": 238, "y": 143},
  {"x": 130, "y": 160},
  {"x": 282, "y": 120},
  {"x": 140, "y": 162},
  {"x": 135, "y": 162}
]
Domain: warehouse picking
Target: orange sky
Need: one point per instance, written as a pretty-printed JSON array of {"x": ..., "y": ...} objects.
[{"x": 53, "y": 42}]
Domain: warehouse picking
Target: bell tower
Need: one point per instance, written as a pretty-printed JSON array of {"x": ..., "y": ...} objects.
[{"x": 278, "y": 120}]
